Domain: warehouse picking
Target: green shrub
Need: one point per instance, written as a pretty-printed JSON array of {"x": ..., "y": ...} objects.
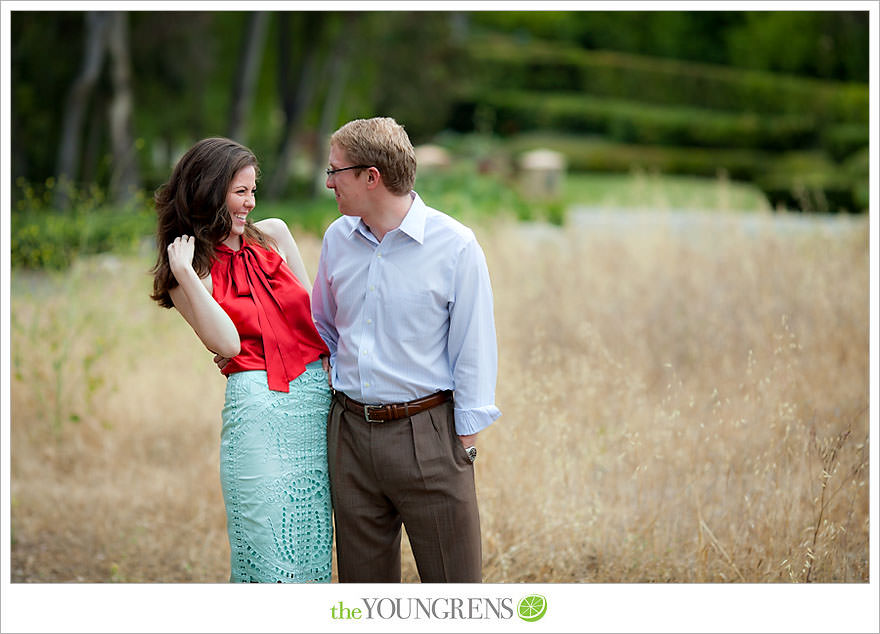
[
  {"x": 640, "y": 123},
  {"x": 464, "y": 190},
  {"x": 43, "y": 237},
  {"x": 505, "y": 64},
  {"x": 810, "y": 181},
  {"x": 595, "y": 154},
  {"x": 857, "y": 164},
  {"x": 49, "y": 239},
  {"x": 473, "y": 191},
  {"x": 843, "y": 139},
  {"x": 652, "y": 190},
  {"x": 856, "y": 167},
  {"x": 308, "y": 215}
]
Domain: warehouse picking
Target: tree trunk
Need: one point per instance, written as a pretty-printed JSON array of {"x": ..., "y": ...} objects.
[
  {"x": 337, "y": 72},
  {"x": 77, "y": 102},
  {"x": 95, "y": 136},
  {"x": 124, "y": 180},
  {"x": 295, "y": 103},
  {"x": 247, "y": 73}
]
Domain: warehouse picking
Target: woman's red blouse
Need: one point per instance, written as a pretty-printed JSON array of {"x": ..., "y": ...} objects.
[{"x": 271, "y": 310}]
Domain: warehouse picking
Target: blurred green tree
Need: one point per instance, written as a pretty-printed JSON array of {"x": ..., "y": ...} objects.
[
  {"x": 106, "y": 36},
  {"x": 281, "y": 81},
  {"x": 826, "y": 44},
  {"x": 253, "y": 44}
]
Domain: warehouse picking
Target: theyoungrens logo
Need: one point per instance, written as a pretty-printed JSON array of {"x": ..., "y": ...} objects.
[
  {"x": 416, "y": 608},
  {"x": 529, "y": 608}
]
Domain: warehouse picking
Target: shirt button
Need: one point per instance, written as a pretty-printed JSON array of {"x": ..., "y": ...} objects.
[
  {"x": 372, "y": 288},
  {"x": 366, "y": 385},
  {"x": 369, "y": 321}
]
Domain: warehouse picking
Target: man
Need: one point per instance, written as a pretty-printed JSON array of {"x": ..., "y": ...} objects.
[{"x": 403, "y": 300}]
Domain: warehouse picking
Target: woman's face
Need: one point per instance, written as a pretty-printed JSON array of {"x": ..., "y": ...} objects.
[{"x": 241, "y": 199}]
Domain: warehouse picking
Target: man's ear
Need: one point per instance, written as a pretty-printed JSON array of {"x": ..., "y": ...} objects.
[{"x": 373, "y": 177}]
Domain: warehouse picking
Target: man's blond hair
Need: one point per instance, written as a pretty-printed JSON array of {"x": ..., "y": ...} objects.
[{"x": 382, "y": 143}]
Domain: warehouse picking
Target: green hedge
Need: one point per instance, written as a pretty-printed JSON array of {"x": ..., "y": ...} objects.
[
  {"x": 856, "y": 166},
  {"x": 594, "y": 154},
  {"x": 49, "y": 239},
  {"x": 503, "y": 63},
  {"x": 844, "y": 139},
  {"x": 813, "y": 182},
  {"x": 637, "y": 122},
  {"x": 810, "y": 180}
]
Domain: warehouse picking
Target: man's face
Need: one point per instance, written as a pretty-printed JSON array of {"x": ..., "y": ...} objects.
[{"x": 348, "y": 185}]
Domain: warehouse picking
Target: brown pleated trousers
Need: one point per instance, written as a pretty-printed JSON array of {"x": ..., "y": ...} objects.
[{"x": 412, "y": 471}]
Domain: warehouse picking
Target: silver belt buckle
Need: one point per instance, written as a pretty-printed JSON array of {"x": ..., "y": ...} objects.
[{"x": 367, "y": 414}]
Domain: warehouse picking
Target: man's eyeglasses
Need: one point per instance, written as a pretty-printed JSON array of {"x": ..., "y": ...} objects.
[{"x": 331, "y": 172}]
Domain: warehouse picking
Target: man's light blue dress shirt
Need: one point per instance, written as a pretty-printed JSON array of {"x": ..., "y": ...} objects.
[{"x": 410, "y": 315}]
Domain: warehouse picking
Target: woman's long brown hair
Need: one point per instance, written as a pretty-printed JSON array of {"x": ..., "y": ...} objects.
[{"x": 193, "y": 202}]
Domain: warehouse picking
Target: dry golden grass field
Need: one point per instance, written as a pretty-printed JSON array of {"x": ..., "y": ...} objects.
[{"x": 678, "y": 406}]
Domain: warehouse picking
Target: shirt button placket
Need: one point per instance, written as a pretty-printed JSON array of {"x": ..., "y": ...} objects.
[{"x": 368, "y": 339}]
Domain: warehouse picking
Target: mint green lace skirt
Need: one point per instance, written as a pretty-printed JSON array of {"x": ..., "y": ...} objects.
[{"x": 273, "y": 470}]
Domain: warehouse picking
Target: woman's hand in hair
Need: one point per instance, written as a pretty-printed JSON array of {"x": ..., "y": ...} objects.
[
  {"x": 193, "y": 300},
  {"x": 180, "y": 255}
]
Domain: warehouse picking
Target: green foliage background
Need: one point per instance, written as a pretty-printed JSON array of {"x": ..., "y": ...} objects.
[{"x": 777, "y": 99}]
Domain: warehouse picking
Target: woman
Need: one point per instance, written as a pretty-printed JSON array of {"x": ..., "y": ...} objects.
[{"x": 243, "y": 288}]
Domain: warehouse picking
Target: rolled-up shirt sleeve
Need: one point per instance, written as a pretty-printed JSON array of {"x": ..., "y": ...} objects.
[{"x": 472, "y": 345}]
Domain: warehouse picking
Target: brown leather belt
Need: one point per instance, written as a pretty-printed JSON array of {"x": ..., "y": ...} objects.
[{"x": 393, "y": 411}]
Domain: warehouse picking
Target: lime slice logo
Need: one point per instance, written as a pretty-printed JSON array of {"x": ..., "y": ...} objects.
[{"x": 532, "y": 608}]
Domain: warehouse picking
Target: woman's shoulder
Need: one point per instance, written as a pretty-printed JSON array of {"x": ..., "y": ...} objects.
[
  {"x": 273, "y": 227},
  {"x": 279, "y": 235}
]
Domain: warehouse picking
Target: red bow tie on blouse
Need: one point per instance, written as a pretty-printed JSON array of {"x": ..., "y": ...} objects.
[{"x": 253, "y": 271}]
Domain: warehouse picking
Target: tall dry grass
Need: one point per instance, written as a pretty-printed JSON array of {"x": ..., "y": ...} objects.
[{"x": 678, "y": 406}]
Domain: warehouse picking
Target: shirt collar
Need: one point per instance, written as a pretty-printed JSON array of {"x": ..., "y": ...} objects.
[
  {"x": 413, "y": 223},
  {"x": 353, "y": 223}
]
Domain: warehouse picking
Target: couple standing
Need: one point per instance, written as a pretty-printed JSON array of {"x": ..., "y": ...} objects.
[{"x": 370, "y": 395}]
